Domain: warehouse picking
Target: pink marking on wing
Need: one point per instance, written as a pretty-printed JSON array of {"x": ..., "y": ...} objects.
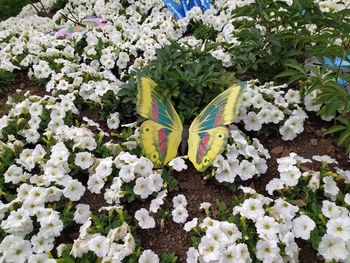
[
  {"x": 155, "y": 109},
  {"x": 161, "y": 135},
  {"x": 205, "y": 139},
  {"x": 218, "y": 115},
  {"x": 162, "y": 147},
  {"x": 201, "y": 149}
]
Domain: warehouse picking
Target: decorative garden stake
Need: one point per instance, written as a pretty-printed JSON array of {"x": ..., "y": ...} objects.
[
  {"x": 162, "y": 133},
  {"x": 68, "y": 31},
  {"x": 180, "y": 9}
]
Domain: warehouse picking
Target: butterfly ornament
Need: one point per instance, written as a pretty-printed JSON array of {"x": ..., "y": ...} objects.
[
  {"x": 162, "y": 132},
  {"x": 179, "y": 8},
  {"x": 69, "y": 31}
]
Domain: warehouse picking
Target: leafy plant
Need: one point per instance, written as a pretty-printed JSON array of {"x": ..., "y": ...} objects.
[
  {"x": 189, "y": 77},
  {"x": 273, "y": 33},
  {"x": 5, "y": 79},
  {"x": 333, "y": 98}
]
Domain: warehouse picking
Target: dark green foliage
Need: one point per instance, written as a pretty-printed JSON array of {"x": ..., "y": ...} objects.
[
  {"x": 272, "y": 33},
  {"x": 190, "y": 78},
  {"x": 5, "y": 79},
  {"x": 11, "y": 8}
]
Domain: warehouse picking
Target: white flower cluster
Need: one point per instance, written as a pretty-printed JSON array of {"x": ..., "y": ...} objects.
[
  {"x": 335, "y": 243},
  {"x": 179, "y": 213},
  {"x": 270, "y": 104},
  {"x": 244, "y": 158},
  {"x": 117, "y": 245},
  {"x": 277, "y": 226}
]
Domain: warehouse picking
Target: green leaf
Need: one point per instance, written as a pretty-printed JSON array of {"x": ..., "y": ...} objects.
[
  {"x": 334, "y": 129},
  {"x": 344, "y": 136}
]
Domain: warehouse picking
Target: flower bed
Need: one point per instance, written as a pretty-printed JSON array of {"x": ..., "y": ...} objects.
[{"x": 74, "y": 185}]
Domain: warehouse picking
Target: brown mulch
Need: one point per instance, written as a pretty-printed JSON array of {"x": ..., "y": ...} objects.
[{"x": 22, "y": 83}]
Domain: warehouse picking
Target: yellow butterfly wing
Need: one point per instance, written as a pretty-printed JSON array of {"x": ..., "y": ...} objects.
[
  {"x": 207, "y": 133},
  {"x": 161, "y": 134}
]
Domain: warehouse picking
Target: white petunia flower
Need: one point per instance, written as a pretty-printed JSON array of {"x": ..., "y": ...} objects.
[
  {"x": 145, "y": 221},
  {"x": 267, "y": 227},
  {"x": 99, "y": 245},
  {"x": 178, "y": 164},
  {"x": 179, "y": 201},
  {"x": 191, "y": 224},
  {"x": 252, "y": 209},
  {"x": 302, "y": 226},
  {"x": 82, "y": 213},
  {"x": 330, "y": 187},
  {"x": 113, "y": 121},
  {"x": 84, "y": 160},
  {"x": 73, "y": 190},
  {"x": 266, "y": 250},
  {"x": 209, "y": 249},
  {"x": 141, "y": 187},
  {"x": 192, "y": 255},
  {"x": 179, "y": 214},
  {"x": 339, "y": 227},
  {"x": 324, "y": 158},
  {"x": 158, "y": 201},
  {"x": 148, "y": 256},
  {"x": 333, "y": 248}
]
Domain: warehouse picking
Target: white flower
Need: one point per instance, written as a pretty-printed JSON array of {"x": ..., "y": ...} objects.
[
  {"x": 191, "y": 224},
  {"x": 246, "y": 170},
  {"x": 204, "y": 205},
  {"x": 155, "y": 182},
  {"x": 41, "y": 258},
  {"x": 333, "y": 248},
  {"x": 347, "y": 199},
  {"x": 148, "y": 256},
  {"x": 330, "y": 209},
  {"x": 158, "y": 201},
  {"x": 274, "y": 184},
  {"x": 266, "y": 249},
  {"x": 209, "y": 249},
  {"x": 95, "y": 184},
  {"x": 141, "y": 187},
  {"x": 84, "y": 160},
  {"x": 113, "y": 121},
  {"x": 302, "y": 226},
  {"x": 73, "y": 190},
  {"x": 126, "y": 173},
  {"x": 330, "y": 187},
  {"x": 19, "y": 251},
  {"x": 192, "y": 255},
  {"x": 252, "y": 209},
  {"x": 82, "y": 213},
  {"x": 252, "y": 122},
  {"x": 144, "y": 219},
  {"x": 143, "y": 167},
  {"x": 41, "y": 243},
  {"x": 324, "y": 158},
  {"x": 178, "y": 164},
  {"x": 99, "y": 245},
  {"x": 231, "y": 231},
  {"x": 285, "y": 210},
  {"x": 180, "y": 214},
  {"x": 339, "y": 227},
  {"x": 267, "y": 227},
  {"x": 179, "y": 201},
  {"x": 291, "y": 176}
]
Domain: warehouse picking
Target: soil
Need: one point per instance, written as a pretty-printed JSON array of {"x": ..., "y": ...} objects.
[{"x": 24, "y": 84}]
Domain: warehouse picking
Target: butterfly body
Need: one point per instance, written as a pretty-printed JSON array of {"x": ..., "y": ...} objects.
[{"x": 163, "y": 132}]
